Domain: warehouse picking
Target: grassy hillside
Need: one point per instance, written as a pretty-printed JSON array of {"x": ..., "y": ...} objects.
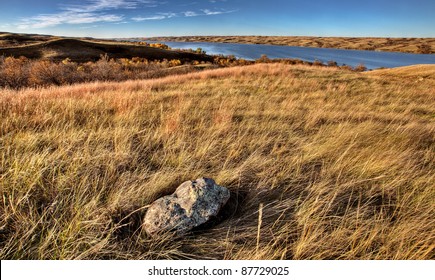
[
  {"x": 408, "y": 45},
  {"x": 83, "y": 51},
  {"x": 340, "y": 163},
  {"x": 14, "y": 39}
]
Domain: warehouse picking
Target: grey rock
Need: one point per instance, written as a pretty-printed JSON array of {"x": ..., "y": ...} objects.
[{"x": 193, "y": 203}]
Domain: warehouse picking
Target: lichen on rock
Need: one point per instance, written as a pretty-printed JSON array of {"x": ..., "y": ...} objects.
[{"x": 192, "y": 204}]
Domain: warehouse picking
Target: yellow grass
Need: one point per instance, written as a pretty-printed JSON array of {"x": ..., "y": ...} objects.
[
  {"x": 321, "y": 163},
  {"x": 409, "y": 45},
  {"x": 422, "y": 71}
]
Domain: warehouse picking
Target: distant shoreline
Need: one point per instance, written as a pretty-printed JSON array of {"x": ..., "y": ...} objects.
[{"x": 406, "y": 45}]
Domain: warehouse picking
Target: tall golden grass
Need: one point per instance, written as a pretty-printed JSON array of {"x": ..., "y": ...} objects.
[{"x": 321, "y": 163}]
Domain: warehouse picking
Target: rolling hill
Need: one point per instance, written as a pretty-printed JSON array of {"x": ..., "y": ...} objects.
[{"x": 84, "y": 50}]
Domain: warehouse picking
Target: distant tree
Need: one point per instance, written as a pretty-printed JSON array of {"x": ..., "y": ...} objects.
[
  {"x": 200, "y": 51},
  {"x": 263, "y": 59}
]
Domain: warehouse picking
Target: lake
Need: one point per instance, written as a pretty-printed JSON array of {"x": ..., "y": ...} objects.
[{"x": 371, "y": 59}]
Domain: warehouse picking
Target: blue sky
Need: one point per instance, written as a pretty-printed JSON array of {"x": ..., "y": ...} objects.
[{"x": 137, "y": 18}]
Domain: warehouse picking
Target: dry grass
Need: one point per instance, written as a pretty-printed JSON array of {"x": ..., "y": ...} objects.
[
  {"x": 409, "y": 45},
  {"x": 322, "y": 164},
  {"x": 87, "y": 50}
]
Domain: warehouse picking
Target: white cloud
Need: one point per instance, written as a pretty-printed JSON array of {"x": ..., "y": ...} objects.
[
  {"x": 168, "y": 15},
  {"x": 161, "y": 16},
  {"x": 157, "y": 17},
  {"x": 100, "y": 11},
  {"x": 102, "y": 5},
  {"x": 91, "y": 12},
  {"x": 208, "y": 12},
  {"x": 190, "y": 14},
  {"x": 42, "y": 21}
]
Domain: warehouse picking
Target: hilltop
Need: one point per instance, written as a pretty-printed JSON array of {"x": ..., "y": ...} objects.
[
  {"x": 421, "y": 71},
  {"x": 82, "y": 50}
]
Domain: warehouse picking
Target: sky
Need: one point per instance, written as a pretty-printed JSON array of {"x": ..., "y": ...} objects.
[{"x": 146, "y": 18}]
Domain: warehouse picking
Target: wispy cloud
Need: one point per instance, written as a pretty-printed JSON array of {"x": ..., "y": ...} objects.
[
  {"x": 157, "y": 17},
  {"x": 190, "y": 14},
  {"x": 48, "y": 20},
  {"x": 210, "y": 12},
  {"x": 161, "y": 16},
  {"x": 92, "y": 11},
  {"x": 102, "y": 5}
]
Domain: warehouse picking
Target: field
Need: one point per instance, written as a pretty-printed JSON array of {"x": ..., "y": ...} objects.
[
  {"x": 340, "y": 164},
  {"x": 408, "y": 45}
]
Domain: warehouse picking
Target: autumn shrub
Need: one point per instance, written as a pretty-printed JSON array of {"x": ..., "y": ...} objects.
[
  {"x": 159, "y": 46},
  {"x": 14, "y": 72},
  {"x": 346, "y": 67},
  {"x": 360, "y": 68},
  {"x": 21, "y": 72},
  {"x": 263, "y": 59},
  {"x": 332, "y": 63},
  {"x": 105, "y": 69},
  {"x": 318, "y": 63},
  {"x": 49, "y": 73}
]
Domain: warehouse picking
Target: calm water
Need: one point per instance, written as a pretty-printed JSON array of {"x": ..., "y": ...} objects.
[{"x": 371, "y": 59}]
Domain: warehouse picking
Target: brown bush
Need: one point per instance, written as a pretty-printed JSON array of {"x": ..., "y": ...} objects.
[
  {"x": 318, "y": 63},
  {"x": 48, "y": 73},
  {"x": 14, "y": 72},
  {"x": 360, "y": 68},
  {"x": 263, "y": 59},
  {"x": 332, "y": 63}
]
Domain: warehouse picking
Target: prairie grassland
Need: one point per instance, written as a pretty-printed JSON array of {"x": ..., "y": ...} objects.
[
  {"x": 408, "y": 45},
  {"x": 341, "y": 162}
]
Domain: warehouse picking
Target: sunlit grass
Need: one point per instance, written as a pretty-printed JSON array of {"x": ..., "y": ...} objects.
[{"x": 341, "y": 162}]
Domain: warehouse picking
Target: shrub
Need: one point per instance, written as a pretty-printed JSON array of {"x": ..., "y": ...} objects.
[
  {"x": 360, "y": 68},
  {"x": 200, "y": 51},
  {"x": 318, "y": 63},
  {"x": 105, "y": 69},
  {"x": 346, "y": 67},
  {"x": 14, "y": 72},
  {"x": 332, "y": 63},
  {"x": 263, "y": 59},
  {"x": 46, "y": 73},
  {"x": 160, "y": 46}
]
